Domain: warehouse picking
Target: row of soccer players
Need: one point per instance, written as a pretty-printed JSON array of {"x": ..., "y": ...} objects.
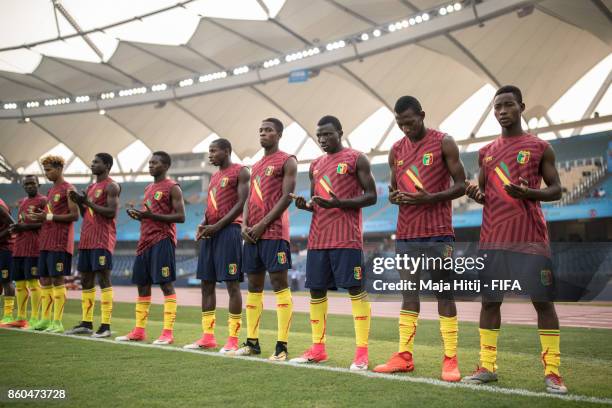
[{"x": 253, "y": 207}]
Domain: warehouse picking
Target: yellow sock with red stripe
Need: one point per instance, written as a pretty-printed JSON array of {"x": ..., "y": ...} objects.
[
  {"x": 254, "y": 308},
  {"x": 551, "y": 352},
  {"x": 234, "y": 322},
  {"x": 35, "y": 295},
  {"x": 408, "y": 322},
  {"x": 106, "y": 307},
  {"x": 208, "y": 322},
  {"x": 169, "y": 311},
  {"x": 488, "y": 348},
  {"x": 9, "y": 305},
  {"x": 22, "y": 294},
  {"x": 284, "y": 312},
  {"x": 449, "y": 329},
  {"x": 361, "y": 317},
  {"x": 318, "y": 319},
  {"x": 143, "y": 304},
  {"x": 46, "y": 301},
  {"x": 88, "y": 301},
  {"x": 59, "y": 301}
]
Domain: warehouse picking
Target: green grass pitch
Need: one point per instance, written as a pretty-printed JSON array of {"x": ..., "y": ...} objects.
[{"x": 97, "y": 373}]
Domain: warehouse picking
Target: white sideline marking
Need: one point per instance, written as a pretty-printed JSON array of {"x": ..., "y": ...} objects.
[{"x": 370, "y": 374}]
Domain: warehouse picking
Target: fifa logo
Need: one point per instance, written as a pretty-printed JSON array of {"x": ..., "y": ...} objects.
[
  {"x": 342, "y": 168},
  {"x": 427, "y": 159},
  {"x": 269, "y": 170}
]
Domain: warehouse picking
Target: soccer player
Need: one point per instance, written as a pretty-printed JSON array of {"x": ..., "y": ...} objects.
[
  {"x": 56, "y": 244},
  {"x": 341, "y": 184},
  {"x": 25, "y": 253},
  {"x": 98, "y": 207},
  {"x": 220, "y": 257},
  {"x": 163, "y": 207},
  {"x": 265, "y": 230},
  {"x": 6, "y": 265},
  {"x": 422, "y": 164},
  {"x": 513, "y": 237}
]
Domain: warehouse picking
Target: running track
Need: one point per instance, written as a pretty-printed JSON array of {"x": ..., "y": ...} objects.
[{"x": 578, "y": 315}]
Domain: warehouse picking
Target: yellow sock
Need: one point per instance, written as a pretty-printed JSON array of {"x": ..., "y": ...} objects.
[
  {"x": 106, "y": 306},
  {"x": 9, "y": 304},
  {"x": 143, "y": 304},
  {"x": 169, "y": 311},
  {"x": 318, "y": 319},
  {"x": 449, "y": 329},
  {"x": 59, "y": 301},
  {"x": 21, "y": 290},
  {"x": 46, "y": 301},
  {"x": 488, "y": 348},
  {"x": 233, "y": 324},
  {"x": 551, "y": 353},
  {"x": 35, "y": 294},
  {"x": 88, "y": 301},
  {"x": 361, "y": 315},
  {"x": 408, "y": 322},
  {"x": 254, "y": 307},
  {"x": 208, "y": 322},
  {"x": 284, "y": 311}
]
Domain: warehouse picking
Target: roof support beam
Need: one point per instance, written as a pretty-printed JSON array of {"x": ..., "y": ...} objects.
[
  {"x": 54, "y": 136},
  {"x": 601, "y": 92}
]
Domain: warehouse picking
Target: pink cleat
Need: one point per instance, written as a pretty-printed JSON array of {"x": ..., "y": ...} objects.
[
  {"x": 137, "y": 334},
  {"x": 230, "y": 345},
  {"x": 360, "y": 362},
  {"x": 206, "y": 342},
  {"x": 165, "y": 338},
  {"x": 315, "y": 354}
]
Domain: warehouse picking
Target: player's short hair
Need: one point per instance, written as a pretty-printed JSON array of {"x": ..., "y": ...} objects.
[
  {"x": 165, "y": 157},
  {"x": 31, "y": 176},
  {"x": 223, "y": 144},
  {"x": 53, "y": 161},
  {"x": 329, "y": 119},
  {"x": 278, "y": 125},
  {"x": 514, "y": 90},
  {"x": 106, "y": 159},
  {"x": 407, "y": 102}
]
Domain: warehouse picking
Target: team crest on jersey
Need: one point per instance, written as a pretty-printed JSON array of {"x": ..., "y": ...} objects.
[
  {"x": 102, "y": 260},
  {"x": 56, "y": 197},
  {"x": 399, "y": 163},
  {"x": 98, "y": 193},
  {"x": 546, "y": 277},
  {"x": 232, "y": 269},
  {"x": 165, "y": 271},
  {"x": 342, "y": 168},
  {"x": 427, "y": 159},
  {"x": 59, "y": 267},
  {"x": 34, "y": 271},
  {"x": 158, "y": 195},
  {"x": 5, "y": 274},
  {"x": 282, "y": 258},
  {"x": 523, "y": 156},
  {"x": 269, "y": 170},
  {"x": 224, "y": 182},
  {"x": 357, "y": 274}
]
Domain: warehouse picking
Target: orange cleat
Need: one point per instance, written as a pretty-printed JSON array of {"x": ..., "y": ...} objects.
[
  {"x": 398, "y": 363},
  {"x": 19, "y": 324},
  {"x": 450, "y": 369}
]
